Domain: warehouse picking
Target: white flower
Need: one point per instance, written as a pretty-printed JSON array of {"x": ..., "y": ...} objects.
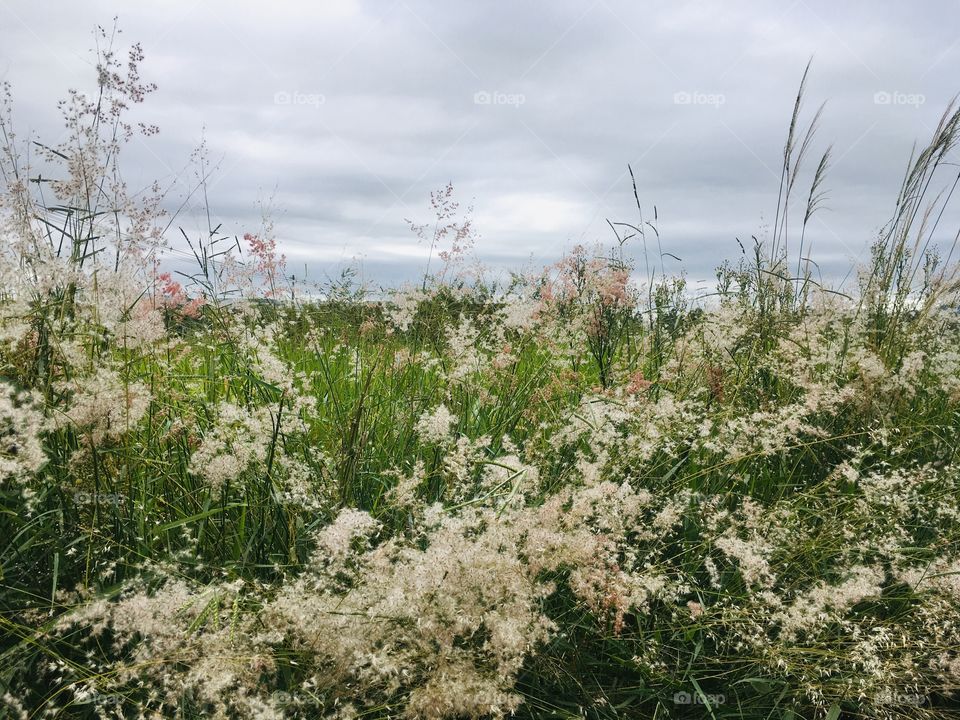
[
  {"x": 436, "y": 427},
  {"x": 238, "y": 440},
  {"x": 21, "y": 423},
  {"x": 105, "y": 405}
]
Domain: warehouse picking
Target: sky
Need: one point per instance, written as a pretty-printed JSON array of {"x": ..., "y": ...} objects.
[{"x": 341, "y": 117}]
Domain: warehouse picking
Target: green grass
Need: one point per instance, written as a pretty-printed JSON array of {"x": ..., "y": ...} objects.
[{"x": 644, "y": 504}]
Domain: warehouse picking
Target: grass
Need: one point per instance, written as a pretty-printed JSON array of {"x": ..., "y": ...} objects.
[{"x": 576, "y": 496}]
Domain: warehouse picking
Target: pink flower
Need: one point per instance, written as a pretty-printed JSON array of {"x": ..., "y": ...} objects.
[
  {"x": 174, "y": 297},
  {"x": 268, "y": 264},
  {"x": 638, "y": 383}
]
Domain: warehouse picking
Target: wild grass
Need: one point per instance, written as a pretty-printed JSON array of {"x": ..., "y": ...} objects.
[{"x": 582, "y": 495}]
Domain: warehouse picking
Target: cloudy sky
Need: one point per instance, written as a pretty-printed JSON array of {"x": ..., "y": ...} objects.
[{"x": 348, "y": 113}]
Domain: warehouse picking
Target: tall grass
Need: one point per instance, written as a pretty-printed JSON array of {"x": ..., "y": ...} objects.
[{"x": 573, "y": 497}]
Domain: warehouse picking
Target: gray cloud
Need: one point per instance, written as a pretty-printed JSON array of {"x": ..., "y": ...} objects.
[{"x": 349, "y": 113}]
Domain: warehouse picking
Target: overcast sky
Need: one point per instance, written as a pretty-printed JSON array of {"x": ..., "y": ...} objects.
[{"x": 350, "y": 112}]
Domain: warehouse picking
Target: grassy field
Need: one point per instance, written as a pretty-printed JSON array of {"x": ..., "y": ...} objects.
[{"x": 577, "y": 495}]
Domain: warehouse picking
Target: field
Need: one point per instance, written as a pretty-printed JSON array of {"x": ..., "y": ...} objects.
[{"x": 582, "y": 493}]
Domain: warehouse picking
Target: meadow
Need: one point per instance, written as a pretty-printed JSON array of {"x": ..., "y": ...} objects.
[{"x": 580, "y": 493}]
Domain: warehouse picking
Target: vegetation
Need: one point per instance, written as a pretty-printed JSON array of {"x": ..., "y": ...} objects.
[{"x": 582, "y": 495}]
